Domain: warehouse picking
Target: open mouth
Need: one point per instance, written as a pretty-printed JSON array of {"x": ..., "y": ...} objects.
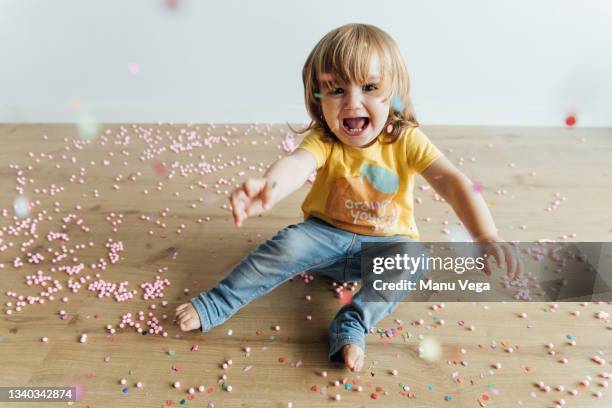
[{"x": 355, "y": 126}]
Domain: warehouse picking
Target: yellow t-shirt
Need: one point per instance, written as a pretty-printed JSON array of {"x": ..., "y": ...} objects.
[{"x": 368, "y": 190}]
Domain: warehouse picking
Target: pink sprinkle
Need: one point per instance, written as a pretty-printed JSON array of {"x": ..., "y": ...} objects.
[{"x": 133, "y": 68}]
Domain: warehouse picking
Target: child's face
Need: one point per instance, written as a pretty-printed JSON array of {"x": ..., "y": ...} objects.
[{"x": 357, "y": 113}]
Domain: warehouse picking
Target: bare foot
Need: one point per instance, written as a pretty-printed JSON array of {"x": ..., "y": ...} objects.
[
  {"x": 353, "y": 357},
  {"x": 187, "y": 317}
]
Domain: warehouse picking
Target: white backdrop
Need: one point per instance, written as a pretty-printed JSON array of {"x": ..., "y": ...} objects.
[{"x": 472, "y": 62}]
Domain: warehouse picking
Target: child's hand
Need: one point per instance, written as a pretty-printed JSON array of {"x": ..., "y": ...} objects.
[
  {"x": 506, "y": 256},
  {"x": 252, "y": 198}
]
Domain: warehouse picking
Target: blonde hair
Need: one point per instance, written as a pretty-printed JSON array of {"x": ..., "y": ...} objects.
[{"x": 344, "y": 54}]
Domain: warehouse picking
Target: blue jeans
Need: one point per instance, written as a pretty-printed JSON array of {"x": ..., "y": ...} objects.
[{"x": 310, "y": 245}]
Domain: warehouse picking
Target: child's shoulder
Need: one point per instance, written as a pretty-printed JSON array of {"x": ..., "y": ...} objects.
[
  {"x": 408, "y": 138},
  {"x": 314, "y": 136},
  {"x": 412, "y": 132},
  {"x": 314, "y": 142},
  {"x": 414, "y": 137}
]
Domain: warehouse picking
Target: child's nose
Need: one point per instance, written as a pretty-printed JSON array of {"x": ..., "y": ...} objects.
[{"x": 353, "y": 100}]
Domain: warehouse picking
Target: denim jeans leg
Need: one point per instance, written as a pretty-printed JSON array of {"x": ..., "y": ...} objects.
[
  {"x": 294, "y": 249},
  {"x": 355, "y": 319},
  {"x": 353, "y": 322}
]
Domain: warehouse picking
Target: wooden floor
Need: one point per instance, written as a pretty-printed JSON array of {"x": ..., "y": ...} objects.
[{"x": 282, "y": 366}]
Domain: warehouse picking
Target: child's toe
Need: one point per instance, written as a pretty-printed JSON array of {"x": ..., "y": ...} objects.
[
  {"x": 359, "y": 363},
  {"x": 353, "y": 357},
  {"x": 349, "y": 358},
  {"x": 185, "y": 323}
]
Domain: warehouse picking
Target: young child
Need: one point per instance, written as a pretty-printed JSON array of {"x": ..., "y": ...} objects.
[{"x": 366, "y": 146}]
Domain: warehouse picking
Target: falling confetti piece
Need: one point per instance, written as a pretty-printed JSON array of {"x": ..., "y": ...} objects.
[
  {"x": 172, "y": 4},
  {"x": 171, "y": 352},
  {"x": 430, "y": 349},
  {"x": 345, "y": 298},
  {"x": 159, "y": 168},
  {"x": 476, "y": 187},
  {"x": 570, "y": 120},
  {"x": 74, "y": 104},
  {"x": 21, "y": 206},
  {"x": 397, "y": 104},
  {"x": 87, "y": 127},
  {"x": 133, "y": 68}
]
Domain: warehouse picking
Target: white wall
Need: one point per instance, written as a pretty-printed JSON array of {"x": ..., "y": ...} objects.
[{"x": 483, "y": 62}]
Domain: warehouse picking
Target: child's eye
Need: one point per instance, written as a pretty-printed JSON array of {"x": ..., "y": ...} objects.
[
  {"x": 337, "y": 91},
  {"x": 370, "y": 87}
]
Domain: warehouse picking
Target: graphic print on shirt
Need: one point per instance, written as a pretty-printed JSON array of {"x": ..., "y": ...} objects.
[{"x": 365, "y": 200}]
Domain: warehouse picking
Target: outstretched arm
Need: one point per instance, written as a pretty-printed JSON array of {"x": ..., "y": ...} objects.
[
  {"x": 286, "y": 175},
  {"x": 469, "y": 205},
  {"x": 459, "y": 192}
]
